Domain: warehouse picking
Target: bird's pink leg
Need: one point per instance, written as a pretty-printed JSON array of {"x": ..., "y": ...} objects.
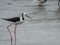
[
  {"x": 10, "y": 32},
  {"x": 15, "y": 35}
]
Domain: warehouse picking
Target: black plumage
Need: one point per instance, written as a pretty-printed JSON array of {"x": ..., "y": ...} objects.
[
  {"x": 14, "y": 19},
  {"x": 43, "y": 1},
  {"x": 22, "y": 17}
]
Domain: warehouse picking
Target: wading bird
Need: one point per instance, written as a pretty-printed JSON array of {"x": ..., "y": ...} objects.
[
  {"x": 40, "y": 2},
  {"x": 15, "y": 21}
]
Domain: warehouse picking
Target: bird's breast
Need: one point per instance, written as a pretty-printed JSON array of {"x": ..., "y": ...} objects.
[{"x": 19, "y": 22}]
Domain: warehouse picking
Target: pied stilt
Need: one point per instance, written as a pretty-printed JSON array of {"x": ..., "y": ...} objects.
[
  {"x": 15, "y": 21},
  {"x": 40, "y": 2}
]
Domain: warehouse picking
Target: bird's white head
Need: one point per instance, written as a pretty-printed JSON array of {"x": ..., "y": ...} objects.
[{"x": 26, "y": 15}]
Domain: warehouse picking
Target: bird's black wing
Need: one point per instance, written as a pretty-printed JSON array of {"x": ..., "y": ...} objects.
[{"x": 14, "y": 19}]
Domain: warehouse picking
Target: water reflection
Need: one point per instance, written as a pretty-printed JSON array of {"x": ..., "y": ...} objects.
[
  {"x": 58, "y": 14},
  {"x": 9, "y": 3},
  {"x": 41, "y": 8},
  {"x": 39, "y": 14}
]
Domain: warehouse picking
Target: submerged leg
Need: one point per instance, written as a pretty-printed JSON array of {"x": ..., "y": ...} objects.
[
  {"x": 10, "y": 32},
  {"x": 15, "y": 35}
]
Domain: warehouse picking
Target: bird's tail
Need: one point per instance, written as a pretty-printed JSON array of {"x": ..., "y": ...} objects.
[{"x": 3, "y": 19}]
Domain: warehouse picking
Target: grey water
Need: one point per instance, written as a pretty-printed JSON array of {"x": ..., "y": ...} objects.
[{"x": 43, "y": 29}]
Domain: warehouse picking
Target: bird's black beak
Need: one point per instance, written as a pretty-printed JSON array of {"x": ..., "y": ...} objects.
[{"x": 28, "y": 16}]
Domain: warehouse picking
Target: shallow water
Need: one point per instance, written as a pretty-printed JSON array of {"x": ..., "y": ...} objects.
[{"x": 43, "y": 29}]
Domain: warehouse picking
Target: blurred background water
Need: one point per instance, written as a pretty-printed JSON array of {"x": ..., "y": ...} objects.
[{"x": 43, "y": 29}]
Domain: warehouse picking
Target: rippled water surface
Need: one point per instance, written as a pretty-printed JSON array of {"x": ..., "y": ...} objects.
[{"x": 43, "y": 29}]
